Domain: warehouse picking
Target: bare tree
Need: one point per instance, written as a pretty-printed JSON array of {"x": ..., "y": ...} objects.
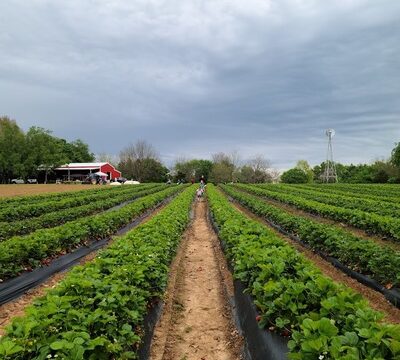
[
  {"x": 259, "y": 163},
  {"x": 109, "y": 158},
  {"x": 256, "y": 170},
  {"x": 134, "y": 159}
]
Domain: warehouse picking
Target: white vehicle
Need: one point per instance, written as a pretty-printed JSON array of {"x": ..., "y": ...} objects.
[
  {"x": 31, "y": 181},
  {"x": 17, "y": 181}
]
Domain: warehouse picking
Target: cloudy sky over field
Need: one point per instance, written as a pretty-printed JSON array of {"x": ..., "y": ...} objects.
[{"x": 198, "y": 77}]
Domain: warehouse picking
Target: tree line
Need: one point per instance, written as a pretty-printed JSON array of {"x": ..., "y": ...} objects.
[
  {"x": 141, "y": 161},
  {"x": 26, "y": 154},
  {"x": 380, "y": 171},
  {"x": 23, "y": 154}
]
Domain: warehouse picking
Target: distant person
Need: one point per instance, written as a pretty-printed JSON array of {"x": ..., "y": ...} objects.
[{"x": 199, "y": 194}]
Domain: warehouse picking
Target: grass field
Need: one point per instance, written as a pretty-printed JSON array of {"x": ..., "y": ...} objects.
[{"x": 33, "y": 189}]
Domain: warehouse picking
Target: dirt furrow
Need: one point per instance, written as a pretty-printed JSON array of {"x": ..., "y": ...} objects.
[
  {"x": 197, "y": 319},
  {"x": 18, "y": 306},
  {"x": 376, "y": 300},
  {"x": 323, "y": 220}
]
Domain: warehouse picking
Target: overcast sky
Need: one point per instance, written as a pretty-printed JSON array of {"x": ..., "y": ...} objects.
[{"x": 197, "y": 77}]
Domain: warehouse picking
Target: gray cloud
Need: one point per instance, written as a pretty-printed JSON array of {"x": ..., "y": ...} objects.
[{"x": 197, "y": 77}]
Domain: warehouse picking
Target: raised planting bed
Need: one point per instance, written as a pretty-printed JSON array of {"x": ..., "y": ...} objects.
[
  {"x": 26, "y": 226},
  {"x": 367, "y": 205},
  {"x": 323, "y": 319},
  {"x": 23, "y": 253},
  {"x": 373, "y": 223},
  {"x": 98, "y": 310},
  {"x": 19, "y": 212},
  {"x": 380, "y": 263}
]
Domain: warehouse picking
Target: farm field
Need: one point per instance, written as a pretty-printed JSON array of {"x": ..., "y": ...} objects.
[
  {"x": 320, "y": 262},
  {"x": 11, "y": 190}
]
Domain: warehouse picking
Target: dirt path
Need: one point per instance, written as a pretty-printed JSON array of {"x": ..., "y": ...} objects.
[
  {"x": 196, "y": 323},
  {"x": 376, "y": 300},
  {"x": 17, "y": 307},
  {"x": 35, "y": 189}
]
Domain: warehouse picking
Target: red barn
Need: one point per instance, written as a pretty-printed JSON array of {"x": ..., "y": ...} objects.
[{"x": 79, "y": 171}]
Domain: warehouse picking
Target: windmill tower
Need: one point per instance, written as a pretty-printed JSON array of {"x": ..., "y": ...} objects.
[{"x": 330, "y": 169}]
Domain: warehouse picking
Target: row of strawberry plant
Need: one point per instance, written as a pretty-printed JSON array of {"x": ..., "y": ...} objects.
[
  {"x": 325, "y": 320},
  {"x": 30, "y": 199},
  {"x": 381, "y": 263},
  {"x": 347, "y": 192},
  {"x": 26, "y": 226},
  {"x": 367, "y": 205},
  {"x": 384, "y": 190},
  {"x": 372, "y": 223},
  {"x": 97, "y": 311},
  {"x": 26, "y": 252},
  {"x": 15, "y": 213}
]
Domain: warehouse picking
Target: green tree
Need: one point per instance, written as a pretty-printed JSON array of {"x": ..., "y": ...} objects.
[
  {"x": 140, "y": 162},
  {"x": 76, "y": 151},
  {"x": 12, "y": 148},
  {"x": 223, "y": 168},
  {"x": 294, "y": 176},
  {"x": 395, "y": 158},
  {"x": 192, "y": 169},
  {"x": 304, "y": 166},
  {"x": 45, "y": 152},
  {"x": 154, "y": 171},
  {"x": 246, "y": 174}
]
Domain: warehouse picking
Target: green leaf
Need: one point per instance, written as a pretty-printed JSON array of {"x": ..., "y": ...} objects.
[
  {"x": 326, "y": 327},
  {"x": 8, "y": 347}
]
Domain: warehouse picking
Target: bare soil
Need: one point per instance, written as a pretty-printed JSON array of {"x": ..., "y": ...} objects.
[
  {"x": 17, "y": 307},
  {"x": 323, "y": 220},
  {"x": 196, "y": 322},
  {"x": 34, "y": 189},
  {"x": 376, "y": 300}
]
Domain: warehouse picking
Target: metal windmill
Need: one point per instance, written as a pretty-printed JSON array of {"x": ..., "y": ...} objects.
[{"x": 330, "y": 169}]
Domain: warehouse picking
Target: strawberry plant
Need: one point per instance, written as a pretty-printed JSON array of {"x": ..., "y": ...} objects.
[
  {"x": 367, "y": 257},
  {"x": 18, "y": 253},
  {"x": 26, "y": 226},
  {"x": 325, "y": 320},
  {"x": 97, "y": 311},
  {"x": 371, "y": 222}
]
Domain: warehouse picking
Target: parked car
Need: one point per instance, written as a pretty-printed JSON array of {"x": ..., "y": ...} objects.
[
  {"x": 17, "y": 181},
  {"x": 120, "y": 179},
  {"x": 31, "y": 181}
]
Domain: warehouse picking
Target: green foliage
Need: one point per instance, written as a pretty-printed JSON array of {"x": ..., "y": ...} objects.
[
  {"x": 22, "y": 155},
  {"x": 367, "y": 257},
  {"x": 324, "y": 318},
  {"x": 97, "y": 311},
  {"x": 295, "y": 176},
  {"x": 378, "y": 172},
  {"x": 12, "y": 150},
  {"x": 357, "y": 214},
  {"x": 221, "y": 173},
  {"x": 140, "y": 162},
  {"x": 192, "y": 169},
  {"x": 395, "y": 156},
  {"x": 76, "y": 151},
  {"x": 153, "y": 171},
  {"x": 339, "y": 200},
  {"x": 74, "y": 207},
  {"x": 305, "y": 167},
  {"x": 19, "y": 253}
]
